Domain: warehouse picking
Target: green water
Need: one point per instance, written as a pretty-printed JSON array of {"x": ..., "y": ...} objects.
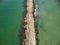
[
  {"x": 48, "y": 22},
  {"x": 11, "y": 21},
  {"x": 12, "y": 13}
]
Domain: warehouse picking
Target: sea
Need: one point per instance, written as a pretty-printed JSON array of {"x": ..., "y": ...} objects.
[
  {"x": 47, "y": 15},
  {"x": 48, "y": 21},
  {"x": 12, "y": 14}
]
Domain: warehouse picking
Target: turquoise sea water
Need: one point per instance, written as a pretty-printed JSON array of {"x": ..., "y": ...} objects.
[
  {"x": 48, "y": 22},
  {"x": 11, "y": 21}
]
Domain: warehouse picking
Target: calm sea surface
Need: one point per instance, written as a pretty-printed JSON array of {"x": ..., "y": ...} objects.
[
  {"x": 48, "y": 21},
  {"x": 11, "y": 21},
  {"x": 12, "y": 13}
]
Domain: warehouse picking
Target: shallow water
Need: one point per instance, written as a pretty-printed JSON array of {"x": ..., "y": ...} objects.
[
  {"x": 48, "y": 22},
  {"x": 11, "y": 21}
]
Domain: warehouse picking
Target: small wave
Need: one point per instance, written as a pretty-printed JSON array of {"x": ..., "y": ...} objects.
[{"x": 35, "y": 10}]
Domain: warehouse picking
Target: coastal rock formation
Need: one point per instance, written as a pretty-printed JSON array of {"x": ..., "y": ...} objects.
[{"x": 30, "y": 38}]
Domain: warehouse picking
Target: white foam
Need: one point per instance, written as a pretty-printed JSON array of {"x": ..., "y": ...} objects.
[{"x": 35, "y": 13}]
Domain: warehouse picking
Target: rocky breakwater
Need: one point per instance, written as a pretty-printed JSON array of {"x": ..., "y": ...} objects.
[{"x": 29, "y": 34}]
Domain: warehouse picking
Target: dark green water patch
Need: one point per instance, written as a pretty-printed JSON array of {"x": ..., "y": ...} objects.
[{"x": 12, "y": 13}]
